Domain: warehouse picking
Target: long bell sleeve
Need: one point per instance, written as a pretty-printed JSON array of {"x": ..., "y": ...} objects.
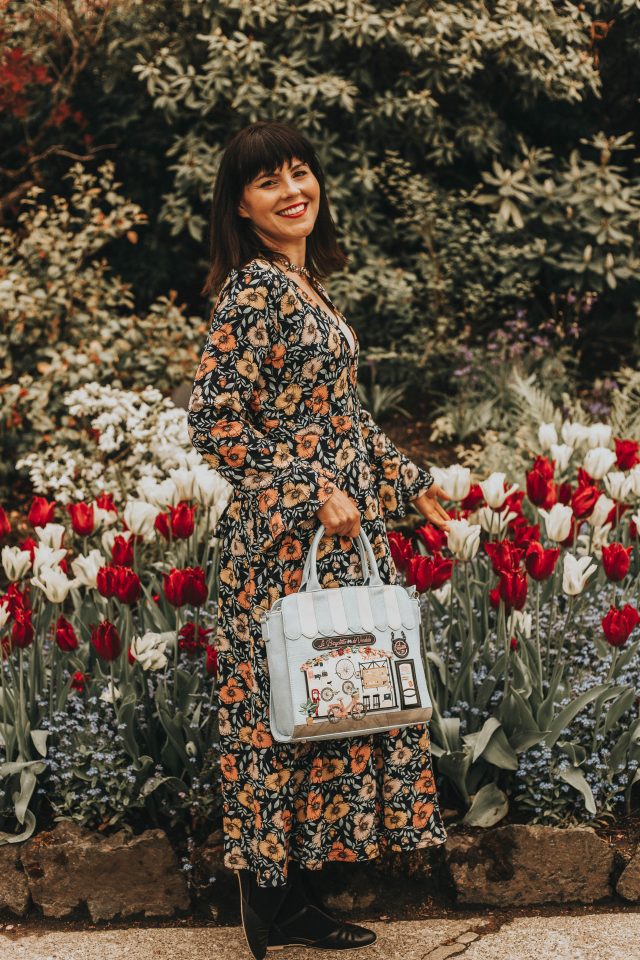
[
  {"x": 399, "y": 479},
  {"x": 223, "y": 411}
]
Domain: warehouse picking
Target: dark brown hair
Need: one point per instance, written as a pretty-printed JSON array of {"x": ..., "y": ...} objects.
[{"x": 263, "y": 147}]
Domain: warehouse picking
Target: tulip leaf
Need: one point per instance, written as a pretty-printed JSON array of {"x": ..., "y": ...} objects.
[
  {"x": 499, "y": 752},
  {"x": 572, "y": 709},
  {"x": 39, "y": 738},
  {"x": 29, "y": 826},
  {"x": 489, "y": 728},
  {"x": 575, "y": 778},
  {"x": 490, "y": 805},
  {"x": 439, "y": 662},
  {"x": 624, "y": 702},
  {"x": 455, "y": 766}
]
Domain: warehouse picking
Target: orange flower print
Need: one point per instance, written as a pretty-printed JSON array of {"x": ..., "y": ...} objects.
[
  {"x": 290, "y": 550},
  {"x": 336, "y": 810},
  {"x": 362, "y": 825},
  {"x": 234, "y": 456},
  {"x": 425, "y": 782},
  {"x": 359, "y": 753},
  {"x": 232, "y": 826},
  {"x": 253, "y": 297},
  {"x": 223, "y": 339},
  {"x": 394, "y": 819},
  {"x": 207, "y": 364},
  {"x": 231, "y": 692},
  {"x": 229, "y": 767},
  {"x": 276, "y": 781},
  {"x": 276, "y": 357},
  {"x": 271, "y": 848},
  {"x": 227, "y": 428},
  {"x": 293, "y": 493},
  {"x": 422, "y": 811},
  {"x": 289, "y": 399},
  {"x": 339, "y": 852},
  {"x": 387, "y": 498},
  {"x": 306, "y": 444},
  {"x": 315, "y": 805},
  {"x": 261, "y": 738},
  {"x": 319, "y": 402}
]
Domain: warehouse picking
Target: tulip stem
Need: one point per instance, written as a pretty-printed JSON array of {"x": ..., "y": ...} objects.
[
  {"x": 599, "y": 702},
  {"x": 448, "y": 646},
  {"x": 176, "y": 652},
  {"x": 551, "y": 623},
  {"x": 539, "y": 656}
]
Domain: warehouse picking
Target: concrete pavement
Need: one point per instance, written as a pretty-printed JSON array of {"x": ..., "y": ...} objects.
[{"x": 597, "y": 936}]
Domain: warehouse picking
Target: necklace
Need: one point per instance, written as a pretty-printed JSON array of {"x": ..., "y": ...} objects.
[{"x": 294, "y": 267}]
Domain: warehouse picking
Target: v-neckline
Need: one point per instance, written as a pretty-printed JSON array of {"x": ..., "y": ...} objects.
[{"x": 335, "y": 319}]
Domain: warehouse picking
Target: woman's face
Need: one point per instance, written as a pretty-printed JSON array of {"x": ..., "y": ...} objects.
[{"x": 282, "y": 205}]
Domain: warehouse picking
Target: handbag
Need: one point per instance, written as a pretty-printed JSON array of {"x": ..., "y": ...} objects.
[{"x": 344, "y": 661}]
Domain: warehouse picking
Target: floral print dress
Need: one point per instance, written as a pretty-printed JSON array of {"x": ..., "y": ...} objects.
[{"x": 275, "y": 409}]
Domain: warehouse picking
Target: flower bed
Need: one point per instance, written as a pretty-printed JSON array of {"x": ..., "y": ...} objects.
[{"x": 107, "y": 708}]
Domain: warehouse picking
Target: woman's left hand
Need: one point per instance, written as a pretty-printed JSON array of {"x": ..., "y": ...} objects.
[{"x": 429, "y": 507}]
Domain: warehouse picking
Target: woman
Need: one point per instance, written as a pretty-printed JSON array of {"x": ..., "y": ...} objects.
[{"x": 275, "y": 410}]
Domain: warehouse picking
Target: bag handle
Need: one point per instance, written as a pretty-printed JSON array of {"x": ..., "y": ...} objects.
[{"x": 368, "y": 562}]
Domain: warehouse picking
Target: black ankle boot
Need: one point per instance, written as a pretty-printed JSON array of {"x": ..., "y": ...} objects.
[
  {"x": 258, "y": 907},
  {"x": 302, "y": 920}
]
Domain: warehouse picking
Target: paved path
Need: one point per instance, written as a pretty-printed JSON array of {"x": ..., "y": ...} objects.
[{"x": 598, "y": 936}]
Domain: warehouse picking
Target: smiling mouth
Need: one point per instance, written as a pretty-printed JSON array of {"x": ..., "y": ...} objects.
[{"x": 294, "y": 211}]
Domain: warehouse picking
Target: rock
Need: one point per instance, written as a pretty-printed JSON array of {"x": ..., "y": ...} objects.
[
  {"x": 628, "y": 885},
  {"x": 14, "y": 891},
  {"x": 118, "y": 875},
  {"x": 519, "y": 864}
]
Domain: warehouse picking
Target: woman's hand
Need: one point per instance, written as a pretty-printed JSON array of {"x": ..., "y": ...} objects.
[
  {"x": 431, "y": 509},
  {"x": 340, "y": 514}
]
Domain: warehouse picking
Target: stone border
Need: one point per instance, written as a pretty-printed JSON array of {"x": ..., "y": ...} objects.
[{"x": 71, "y": 871}]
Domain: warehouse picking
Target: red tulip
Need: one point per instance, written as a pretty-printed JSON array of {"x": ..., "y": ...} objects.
[
  {"x": 162, "y": 525},
  {"x": 626, "y": 454},
  {"x": 584, "y": 500},
  {"x": 513, "y": 589},
  {"x": 401, "y": 549},
  {"x": 16, "y": 599},
  {"x": 633, "y": 529},
  {"x": 433, "y": 539},
  {"x": 474, "y": 499},
  {"x": 211, "y": 663},
  {"x": 41, "y": 512},
  {"x": 22, "y": 629},
  {"x": 494, "y": 597},
  {"x": 540, "y": 489},
  {"x": 29, "y": 544},
  {"x": 182, "y": 520},
  {"x": 127, "y": 586},
  {"x": 106, "y": 580},
  {"x": 105, "y": 502},
  {"x": 616, "y": 512},
  {"x": 544, "y": 466},
  {"x": 616, "y": 560},
  {"x": 505, "y": 556},
  {"x": 524, "y": 533},
  {"x": 618, "y": 624},
  {"x": 539, "y": 562},
  {"x": 564, "y": 493},
  {"x": 82, "y": 518},
  {"x": 79, "y": 680},
  {"x": 65, "y": 635},
  {"x": 428, "y": 573},
  {"x": 5, "y": 526},
  {"x": 188, "y": 641},
  {"x": 185, "y": 586},
  {"x": 514, "y": 643},
  {"x": 130, "y": 656},
  {"x": 122, "y": 551},
  {"x": 106, "y": 640}
]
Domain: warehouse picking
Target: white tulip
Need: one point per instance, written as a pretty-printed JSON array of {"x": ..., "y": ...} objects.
[
  {"x": 4, "y": 613},
  {"x": 51, "y": 535},
  {"x": 616, "y": 483},
  {"x": 140, "y": 518},
  {"x": 185, "y": 481},
  {"x": 149, "y": 651},
  {"x": 455, "y": 481},
  {"x": 636, "y": 520},
  {"x": 210, "y": 487},
  {"x": 54, "y": 584},
  {"x": 161, "y": 495},
  {"x": 576, "y": 572},
  {"x": 573, "y": 434},
  {"x": 110, "y": 694},
  {"x": 443, "y": 593},
  {"x": 494, "y": 492},
  {"x": 103, "y": 518},
  {"x": 463, "y": 539},
  {"x": 599, "y": 435},
  {"x": 633, "y": 481},
  {"x": 494, "y": 521},
  {"x": 561, "y": 453},
  {"x": 16, "y": 562},
  {"x": 557, "y": 521},
  {"x": 44, "y": 556},
  {"x": 521, "y": 620},
  {"x": 599, "y": 461},
  {"x": 602, "y": 509},
  {"x": 547, "y": 435},
  {"x": 85, "y": 568},
  {"x": 593, "y": 542}
]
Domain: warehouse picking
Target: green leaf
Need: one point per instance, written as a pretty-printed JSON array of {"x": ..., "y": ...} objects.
[
  {"x": 490, "y": 805},
  {"x": 575, "y": 777}
]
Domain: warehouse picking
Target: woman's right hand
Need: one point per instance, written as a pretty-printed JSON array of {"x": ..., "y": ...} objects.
[{"x": 340, "y": 514}]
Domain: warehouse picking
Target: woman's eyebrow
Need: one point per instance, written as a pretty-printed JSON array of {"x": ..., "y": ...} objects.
[{"x": 272, "y": 173}]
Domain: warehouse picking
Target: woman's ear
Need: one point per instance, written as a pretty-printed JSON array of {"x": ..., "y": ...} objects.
[{"x": 241, "y": 210}]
